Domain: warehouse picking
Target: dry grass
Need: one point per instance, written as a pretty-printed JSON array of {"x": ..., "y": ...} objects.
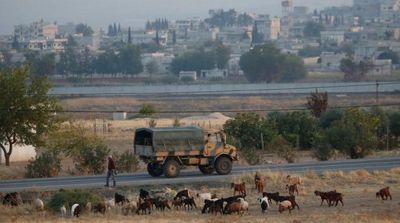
[{"x": 358, "y": 187}]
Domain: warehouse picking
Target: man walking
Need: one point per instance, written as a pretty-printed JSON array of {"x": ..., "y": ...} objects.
[{"x": 110, "y": 171}]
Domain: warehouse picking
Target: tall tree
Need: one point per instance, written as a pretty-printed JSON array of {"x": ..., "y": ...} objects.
[
  {"x": 84, "y": 29},
  {"x": 313, "y": 29},
  {"x": 26, "y": 111},
  {"x": 317, "y": 103},
  {"x": 129, "y": 36}
]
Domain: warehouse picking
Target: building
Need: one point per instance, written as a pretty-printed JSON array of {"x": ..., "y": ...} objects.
[
  {"x": 287, "y": 17},
  {"x": 50, "y": 31},
  {"x": 336, "y": 36},
  {"x": 214, "y": 73},
  {"x": 269, "y": 27},
  {"x": 368, "y": 10},
  {"x": 331, "y": 61},
  {"x": 188, "y": 74},
  {"x": 381, "y": 67},
  {"x": 389, "y": 11},
  {"x": 163, "y": 60}
]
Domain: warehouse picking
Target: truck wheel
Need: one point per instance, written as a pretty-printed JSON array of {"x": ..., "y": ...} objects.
[
  {"x": 223, "y": 165},
  {"x": 207, "y": 170},
  {"x": 154, "y": 169},
  {"x": 171, "y": 168}
]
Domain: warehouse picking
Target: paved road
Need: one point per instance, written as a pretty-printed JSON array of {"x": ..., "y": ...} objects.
[
  {"x": 226, "y": 89},
  {"x": 194, "y": 176}
]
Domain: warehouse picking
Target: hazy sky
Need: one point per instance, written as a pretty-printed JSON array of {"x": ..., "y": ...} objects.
[{"x": 100, "y": 13}]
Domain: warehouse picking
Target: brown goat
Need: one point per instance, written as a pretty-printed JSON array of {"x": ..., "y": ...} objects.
[
  {"x": 100, "y": 208},
  {"x": 257, "y": 177},
  {"x": 330, "y": 197},
  {"x": 233, "y": 207},
  {"x": 241, "y": 188},
  {"x": 384, "y": 193},
  {"x": 260, "y": 186},
  {"x": 292, "y": 188},
  {"x": 177, "y": 203},
  {"x": 146, "y": 205}
]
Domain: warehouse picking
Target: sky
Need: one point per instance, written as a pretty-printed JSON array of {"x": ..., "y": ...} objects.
[{"x": 100, "y": 13}]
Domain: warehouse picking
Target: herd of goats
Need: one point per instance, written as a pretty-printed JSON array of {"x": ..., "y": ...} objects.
[{"x": 186, "y": 199}]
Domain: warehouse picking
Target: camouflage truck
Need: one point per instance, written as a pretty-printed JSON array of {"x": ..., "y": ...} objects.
[{"x": 166, "y": 150}]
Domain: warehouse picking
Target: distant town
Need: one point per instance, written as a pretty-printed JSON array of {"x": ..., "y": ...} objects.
[{"x": 210, "y": 49}]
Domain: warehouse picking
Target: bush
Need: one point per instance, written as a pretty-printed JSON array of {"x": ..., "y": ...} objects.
[
  {"x": 147, "y": 110},
  {"x": 283, "y": 149},
  {"x": 68, "y": 198},
  {"x": 152, "y": 123},
  {"x": 47, "y": 164},
  {"x": 322, "y": 150},
  {"x": 186, "y": 79},
  {"x": 176, "y": 123},
  {"x": 252, "y": 156},
  {"x": 91, "y": 159},
  {"x": 126, "y": 162}
]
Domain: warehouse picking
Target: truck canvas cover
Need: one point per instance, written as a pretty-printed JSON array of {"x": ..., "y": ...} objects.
[{"x": 150, "y": 140}]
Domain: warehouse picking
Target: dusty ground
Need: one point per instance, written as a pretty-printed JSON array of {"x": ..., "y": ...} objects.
[{"x": 358, "y": 187}]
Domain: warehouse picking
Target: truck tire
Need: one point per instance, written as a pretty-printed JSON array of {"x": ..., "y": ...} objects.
[
  {"x": 223, "y": 165},
  {"x": 171, "y": 168},
  {"x": 154, "y": 169},
  {"x": 207, "y": 170}
]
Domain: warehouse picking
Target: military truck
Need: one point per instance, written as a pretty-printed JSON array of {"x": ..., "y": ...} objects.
[{"x": 167, "y": 150}]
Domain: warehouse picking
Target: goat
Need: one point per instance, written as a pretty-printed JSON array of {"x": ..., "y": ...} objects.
[
  {"x": 335, "y": 197},
  {"x": 63, "y": 211},
  {"x": 189, "y": 202},
  {"x": 384, "y": 193},
  {"x": 213, "y": 206},
  {"x": 183, "y": 193},
  {"x": 285, "y": 205},
  {"x": 143, "y": 194},
  {"x": 244, "y": 205},
  {"x": 233, "y": 207},
  {"x": 292, "y": 188},
  {"x": 75, "y": 210},
  {"x": 12, "y": 199},
  {"x": 269, "y": 195},
  {"x": 39, "y": 204},
  {"x": 120, "y": 199},
  {"x": 146, "y": 205},
  {"x": 129, "y": 207},
  {"x": 259, "y": 185},
  {"x": 110, "y": 203},
  {"x": 162, "y": 204},
  {"x": 324, "y": 196},
  {"x": 177, "y": 203},
  {"x": 264, "y": 202},
  {"x": 88, "y": 206},
  {"x": 257, "y": 178},
  {"x": 293, "y": 179},
  {"x": 100, "y": 208},
  {"x": 204, "y": 196},
  {"x": 290, "y": 198},
  {"x": 241, "y": 188}
]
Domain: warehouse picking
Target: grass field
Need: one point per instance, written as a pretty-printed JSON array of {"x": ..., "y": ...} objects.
[{"x": 358, "y": 187}]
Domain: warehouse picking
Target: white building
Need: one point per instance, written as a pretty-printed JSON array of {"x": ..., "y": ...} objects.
[
  {"x": 381, "y": 67},
  {"x": 334, "y": 35},
  {"x": 188, "y": 74},
  {"x": 163, "y": 60}
]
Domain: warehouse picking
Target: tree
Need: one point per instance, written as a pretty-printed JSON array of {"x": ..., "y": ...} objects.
[
  {"x": 354, "y": 71},
  {"x": 262, "y": 63},
  {"x": 193, "y": 61},
  {"x": 293, "y": 69},
  {"x": 174, "y": 37},
  {"x": 321, "y": 148},
  {"x": 246, "y": 129},
  {"x": 298, "y": 128},
  {"x": 394, "y": 120},
  {"x": 84, "y": 29},
  {"x": 390, "y": 55},
  {"x": 129, "y": 36},
  {"x": 222, "y": 55},
  {"x": 43, "y": 65},
  {"x": 87, "y": 151},
  {"x": 129, "y": 60},
  {"x": 329, "y": 117},
  {"x": 313, "y": 29},
  {"x": 309, "y": 51},
  {"x": 265, "y": 63},
  {"x": 26, "y": 111},
  {"x": 317, "y": 103},
  {"x": 152, "y": 67},
  {"x": 147, "y": 110},
  {"x": 256, "y": 37},
  {"x": 355, "y": 134}
]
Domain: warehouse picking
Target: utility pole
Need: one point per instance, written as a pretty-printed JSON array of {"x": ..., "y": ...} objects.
[{"x": 377, "y": 93}]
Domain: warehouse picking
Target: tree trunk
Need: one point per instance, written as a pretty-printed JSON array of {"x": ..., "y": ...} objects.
[
  {"x": 7, "y": 154},
  {"x": 7, "y": 158}
]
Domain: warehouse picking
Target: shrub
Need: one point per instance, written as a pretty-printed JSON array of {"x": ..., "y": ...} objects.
[
  {"x": 152, "y": 123},
  {"x": 126, "y": 162},
  {"x": 147, "y": 110},
  {"x": 68, "y": 198},
  {"x": 283, "y": 149},
  {"x": 47, "y": 164},
  {"x": 322, "y": 150},
  {"x": 90, "y": 159},
  {"x": 176, "y": 123}
]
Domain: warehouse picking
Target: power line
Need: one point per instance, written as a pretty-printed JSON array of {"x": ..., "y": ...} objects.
[{"x": 256, "y": 90}]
